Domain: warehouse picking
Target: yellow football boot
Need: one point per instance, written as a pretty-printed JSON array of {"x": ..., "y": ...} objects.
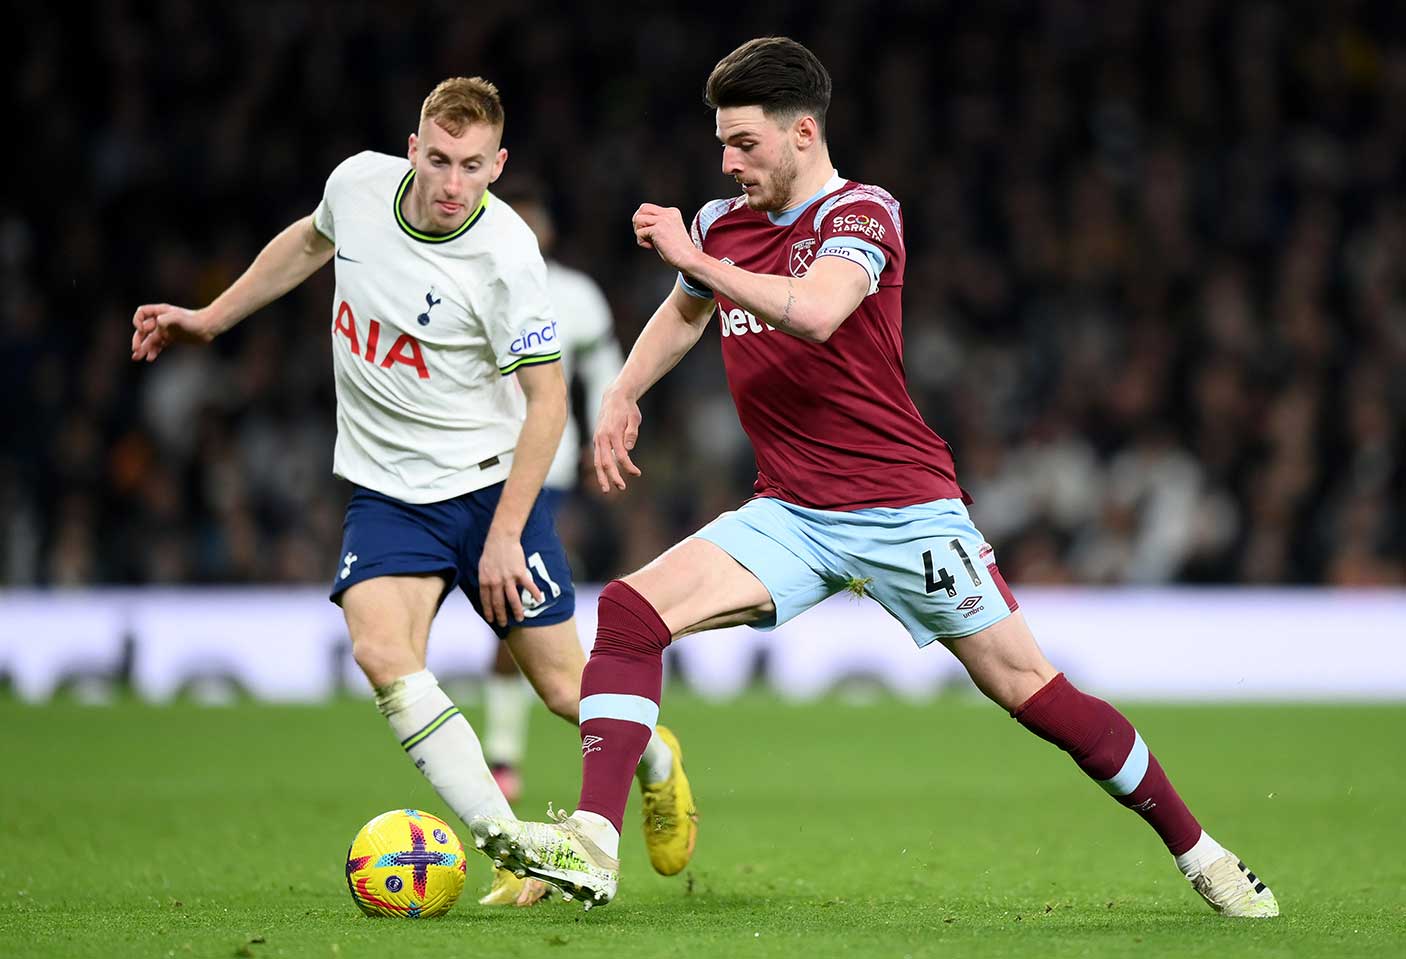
[
  {"x": 509, "y": 890},
  {"x": 670, "y": 818}
]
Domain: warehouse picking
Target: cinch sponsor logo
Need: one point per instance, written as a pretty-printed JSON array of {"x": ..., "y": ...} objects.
[
  {"x": 534, "y": 339},
  {"x": 858, "y": 223},
  {"x": 737, "y": 322},
  {"x": 405, "y": 349}
]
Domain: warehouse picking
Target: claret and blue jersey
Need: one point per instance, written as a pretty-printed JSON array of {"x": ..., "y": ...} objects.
[
  {"x": 832, "y": 424},
  {"x": 852, "y": 485}
]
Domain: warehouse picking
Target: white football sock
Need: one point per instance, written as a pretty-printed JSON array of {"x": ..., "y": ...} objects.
[
  {"x": 507, "y": 704},
  {"x": 600, "y": 831},
  {"x": 442, "y": 745},
  {"x": 657, "y": 762},
  {"x": 1201, "y": 855}
]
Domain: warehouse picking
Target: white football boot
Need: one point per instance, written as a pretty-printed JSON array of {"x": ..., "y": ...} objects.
[
  {"x": 1232, "y": 890},
  {"x": 558, "y": 852}
]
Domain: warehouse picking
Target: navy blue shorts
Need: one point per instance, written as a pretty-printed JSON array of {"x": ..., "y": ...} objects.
[
  {"x": 553, "y": 499},
  {"x": 383, "y": 536}
]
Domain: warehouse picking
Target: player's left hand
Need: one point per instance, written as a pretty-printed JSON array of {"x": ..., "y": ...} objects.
[
  {"x": 158, "y": 325},
  {"x": 502, "y": 576},
  {"x": 661, "y": 229}
]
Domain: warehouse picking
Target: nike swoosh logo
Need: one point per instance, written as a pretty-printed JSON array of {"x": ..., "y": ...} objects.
[
  {"x": 536, "y": 611},
  {"x": 347, "y": 258}
]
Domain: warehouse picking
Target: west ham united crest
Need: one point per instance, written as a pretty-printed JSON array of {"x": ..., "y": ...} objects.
[{"x": 802, "y": 253}]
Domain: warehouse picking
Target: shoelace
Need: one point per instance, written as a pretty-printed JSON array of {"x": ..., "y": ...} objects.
[{"x": 563, "y": 819}]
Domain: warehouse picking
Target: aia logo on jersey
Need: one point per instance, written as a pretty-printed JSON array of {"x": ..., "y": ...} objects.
[
  {"x": 405, "y": 349},
  {"x": 802, "y": 255}
]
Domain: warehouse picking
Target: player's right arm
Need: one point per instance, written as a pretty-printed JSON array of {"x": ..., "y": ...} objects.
[
  {"x": 288, "y": 259},
  {"x": 669, "y": 334}
]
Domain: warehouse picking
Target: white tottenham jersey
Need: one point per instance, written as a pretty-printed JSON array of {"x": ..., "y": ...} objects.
[
  {"x": 588, "y": 349},
  {"x": 425, "y": 332}
]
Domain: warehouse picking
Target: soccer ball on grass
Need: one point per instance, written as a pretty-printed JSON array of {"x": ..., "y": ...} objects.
[{"x": 406, "y": 863}]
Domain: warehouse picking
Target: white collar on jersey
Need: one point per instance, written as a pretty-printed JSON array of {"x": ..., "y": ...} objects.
[{"x": 787, "y": 217}]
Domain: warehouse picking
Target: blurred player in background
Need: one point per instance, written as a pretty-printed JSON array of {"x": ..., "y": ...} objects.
[
  {"x": 589, "y": 351},
  {"x": 450, "y": 408},
  {"x": 854, "y": 491}
]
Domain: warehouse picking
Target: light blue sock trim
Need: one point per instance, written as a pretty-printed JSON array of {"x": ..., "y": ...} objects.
[
  {"x": 1134, "y": 768},
  {"x": 634, "y": 709}
]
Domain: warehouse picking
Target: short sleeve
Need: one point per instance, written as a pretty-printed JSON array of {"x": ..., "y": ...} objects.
[
  {"x": 691, "y": 286},
  {"x": 521, "y": 325},
  {"x": 864, "y": 227},
  {"x": 322, "y": 219}
]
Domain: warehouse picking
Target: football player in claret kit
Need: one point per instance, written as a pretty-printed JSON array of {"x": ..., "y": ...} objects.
[
  {"x": 805, "y": 272},
  {"x": 440, "y": 315}
]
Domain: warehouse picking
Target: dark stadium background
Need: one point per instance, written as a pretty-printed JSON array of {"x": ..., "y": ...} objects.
[{"x": 1154, "y": 300}]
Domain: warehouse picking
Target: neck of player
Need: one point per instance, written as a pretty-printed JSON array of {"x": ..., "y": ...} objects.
[{"x": 813, "y": 174}]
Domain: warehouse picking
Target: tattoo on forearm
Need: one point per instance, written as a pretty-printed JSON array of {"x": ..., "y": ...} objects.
[{"x": 785, "y": 319}]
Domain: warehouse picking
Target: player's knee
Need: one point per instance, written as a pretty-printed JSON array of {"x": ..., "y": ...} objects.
[
  {"x": 382, "y": 659},
  {"x": 628, "y": 621},
  {"x": 560, "y": 692},
  {"x": 1016, "y": 685},
  {"x": 563, "y": 697}
]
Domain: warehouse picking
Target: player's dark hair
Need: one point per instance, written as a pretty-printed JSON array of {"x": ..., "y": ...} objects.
[{"x": 775, "y": 73}]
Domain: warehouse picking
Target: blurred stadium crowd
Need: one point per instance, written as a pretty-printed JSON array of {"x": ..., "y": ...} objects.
[{"x": 1156, "y": 294}]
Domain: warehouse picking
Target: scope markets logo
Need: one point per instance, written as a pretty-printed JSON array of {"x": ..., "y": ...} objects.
[{"x": 860, "y": 223}]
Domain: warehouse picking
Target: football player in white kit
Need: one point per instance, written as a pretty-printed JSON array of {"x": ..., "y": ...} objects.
[
  {"x": 441, "y": 303},
  {"x": 590, "y": 353}
]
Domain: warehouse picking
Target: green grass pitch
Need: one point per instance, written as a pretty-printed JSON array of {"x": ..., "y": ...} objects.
[{"x": 832, "y": 829}]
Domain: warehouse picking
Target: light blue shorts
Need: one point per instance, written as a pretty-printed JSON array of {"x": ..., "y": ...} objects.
[{"x": 926, "y": 564}]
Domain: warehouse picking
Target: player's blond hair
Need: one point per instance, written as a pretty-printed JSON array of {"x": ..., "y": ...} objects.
[{"x": 460, "y": 102}]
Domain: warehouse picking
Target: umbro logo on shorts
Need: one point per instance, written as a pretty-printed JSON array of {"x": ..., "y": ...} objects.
[{"x": 591, "y": 744}]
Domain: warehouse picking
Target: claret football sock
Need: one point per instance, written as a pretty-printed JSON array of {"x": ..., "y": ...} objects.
[
  {"x": 442, "y": 745},
  {"x": 620, "y": 691},
  {"x": 1109, "y": 750}
]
